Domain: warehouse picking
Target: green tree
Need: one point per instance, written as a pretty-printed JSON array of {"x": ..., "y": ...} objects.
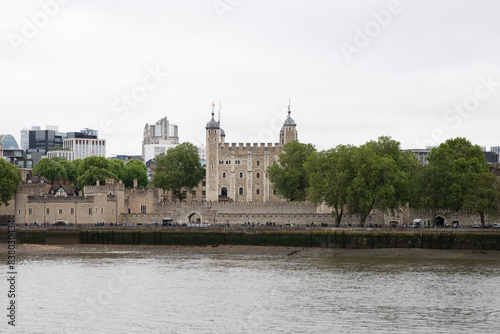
[
  {"x": 74, "y": 170},
  {"x": 92, "y": 174},
  {"x": 450, "y": 174},
  {"x": 330, "y": 174},
  {"x": 10, "y": 176},
  {"x": 135, "y": 169},
  {"x": 94, "y": 168},
  {"x": 50, "y": 169},
  {"x": 382, "y": 178},
  {"x": 483, "y": 198},
  {"x": 99, "y": 162},
  {"x": 68, "y": 167},
  {"x": 288, "y": 176},
  {"x": 179, "y": 168},
  {"x": 117, "y": 167}
]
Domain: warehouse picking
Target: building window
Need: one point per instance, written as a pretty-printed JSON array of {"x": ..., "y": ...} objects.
[
  {"x": 102, "y": 210},
  {"x": 72, "y": 211},
  {"x": 48, "y": 211},
  {"x": 30, "y": 211},
  {"x": 241, "y": 175},
  {"x": 258, "y": 175},
  {"x": 143, "y": 209},
  {"x": 90, "y": 211},
  {"x": 240, "y": 191},
  {"x": 203, "y": 192},
  {"x": 223, "y": 175},
  {"x": 193, "y": 192},
  {"x": 258, "y": 163},
  {"x": 60, "y": 211},
  {"x": 274, "y": 192},
  {"x": 258, "y": 192},
  {"x": 204, "y": 183}
]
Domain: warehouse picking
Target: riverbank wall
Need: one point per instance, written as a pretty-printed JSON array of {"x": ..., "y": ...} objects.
[{"x": 322, "y": 239}]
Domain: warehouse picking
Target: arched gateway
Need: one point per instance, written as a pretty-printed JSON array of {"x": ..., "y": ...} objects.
[{"x": 194, "y": 218}]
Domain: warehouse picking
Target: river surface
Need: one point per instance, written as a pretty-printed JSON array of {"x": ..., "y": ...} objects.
[{"x": 171, "y": 290}]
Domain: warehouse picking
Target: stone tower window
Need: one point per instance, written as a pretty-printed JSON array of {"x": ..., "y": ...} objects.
[
  {"x": 241, "y": 175},
  {"x": 240, "y": 191},
  {"x": 258, "y": 175},
  {"x": 258, "y": 192},
  {"x": 223, "y": 175},
  {"x": 258, "y": 163}
]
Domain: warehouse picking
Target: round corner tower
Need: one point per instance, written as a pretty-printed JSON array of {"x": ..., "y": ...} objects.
[{"x": 212, "y": 167}]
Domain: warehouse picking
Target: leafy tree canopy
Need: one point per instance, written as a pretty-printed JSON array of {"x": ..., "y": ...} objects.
[
  {"x": 330, "y": 174},
  {"x": 50, "y": 169},
  {"x": 179, "y": 168},
  {"x": 10, "y": 176},
  {"x": 483, "y": 198},
  {"x": 135, "y": 169},
  {"x": 92, "y": 174},
  {"x": 450, "y": 173},
  {"x": 376, "y": 175},
  {"x": 288, "y": 176}
]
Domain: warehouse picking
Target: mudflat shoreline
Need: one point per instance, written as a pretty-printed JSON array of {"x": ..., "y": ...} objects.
[{"x": 411, "y": 253}]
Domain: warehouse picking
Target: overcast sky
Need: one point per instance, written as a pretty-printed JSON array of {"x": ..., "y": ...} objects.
[{"x": 418, "y": 71}]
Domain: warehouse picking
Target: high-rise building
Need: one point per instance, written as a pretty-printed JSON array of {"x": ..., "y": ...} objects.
[
  {"x": 73, "y": 145},
  {"x": 25, "y": 137},
  {"x": 496, "y": 149},
  {"x": 158, "y": 138},
  {"x": 86, "y": 147},
  {"x": 41, "y": 141}
]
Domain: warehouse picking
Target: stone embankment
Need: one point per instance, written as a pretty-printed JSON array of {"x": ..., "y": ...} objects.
[{"x": 375, "y": 239}]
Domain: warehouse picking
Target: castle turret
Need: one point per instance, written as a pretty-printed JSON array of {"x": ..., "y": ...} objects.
[
  {"x": 212, "y": 167},
  {"x": 288, "y": 132}
]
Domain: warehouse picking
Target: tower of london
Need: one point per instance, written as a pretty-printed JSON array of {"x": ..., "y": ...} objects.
[{"x": 238, "y": 171}]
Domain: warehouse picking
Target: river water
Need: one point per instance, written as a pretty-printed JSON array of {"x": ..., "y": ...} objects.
[{"x": 172, "y": 290}]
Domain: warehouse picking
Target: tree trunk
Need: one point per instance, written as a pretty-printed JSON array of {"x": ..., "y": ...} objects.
[
  {"x": 481, "y": 214},
  {"x": 363, "y": 218},
  {"x": 338, "y": 216}
]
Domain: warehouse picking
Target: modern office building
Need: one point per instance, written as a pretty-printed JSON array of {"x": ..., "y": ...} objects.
[
  {"x": 421, "y": 155},
  {"x": 45, "y": 139},
  {"x": 158, "y": 138},
  {"x": 85, "y": 147},
  {"x": 496, "y": 149},
  {"x": 69, "y": 145},
  {"x": 65, "y": 154},
  {"x": 25, "y": 137},
  {"x": 10, "y": 151}
]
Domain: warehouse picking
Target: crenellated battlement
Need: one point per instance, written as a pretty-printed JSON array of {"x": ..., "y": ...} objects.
[
  {"x": 246, "y": 148},
  {"x": 60, "y": 199},
  {"x": 104, "y": 188}
]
